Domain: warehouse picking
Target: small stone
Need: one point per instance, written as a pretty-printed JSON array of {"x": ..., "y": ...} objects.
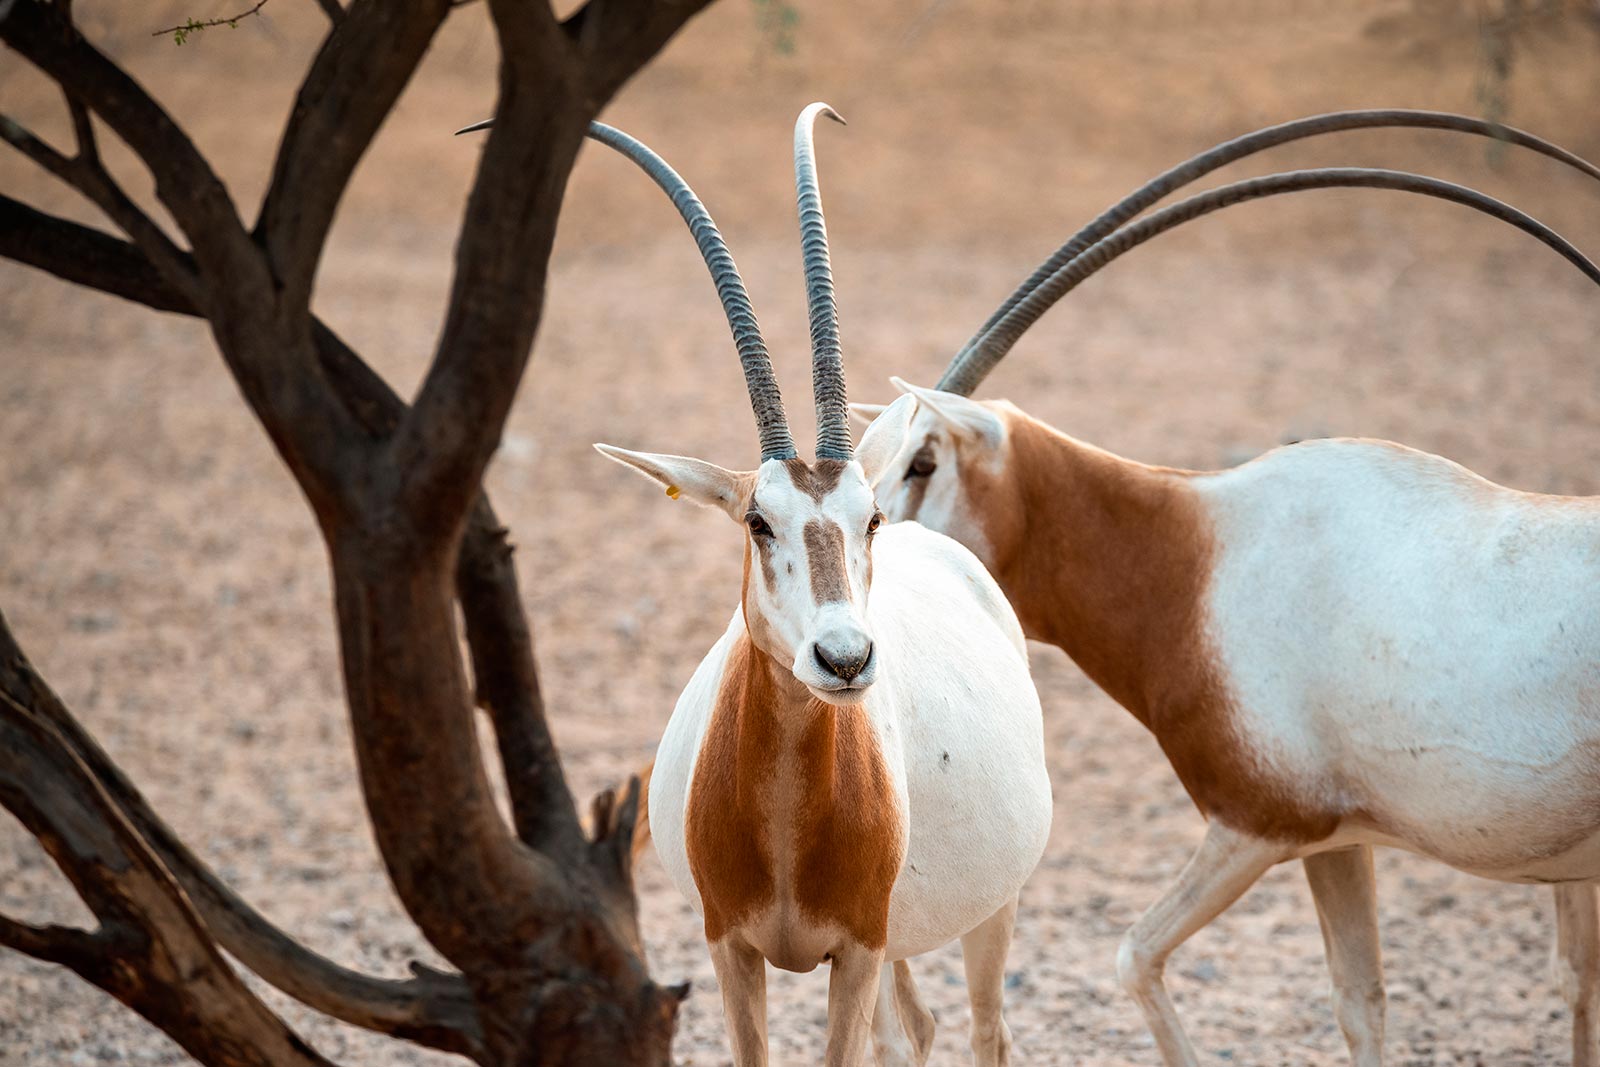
[{"x": 94, "y": 622}]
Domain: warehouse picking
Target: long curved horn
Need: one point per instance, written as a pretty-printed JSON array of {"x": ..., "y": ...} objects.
[
  {"x": 998, "y": 341},
  {"x": 765, "y": 400},
  {"x": 1249, "y": 144},
  {"x": 827, "y": 361}
]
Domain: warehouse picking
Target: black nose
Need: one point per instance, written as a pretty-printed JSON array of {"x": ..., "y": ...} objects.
[{"x": 844, "y": 665}]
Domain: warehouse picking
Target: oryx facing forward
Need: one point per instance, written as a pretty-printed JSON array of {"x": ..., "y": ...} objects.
[{"x": 855, "y": 773}]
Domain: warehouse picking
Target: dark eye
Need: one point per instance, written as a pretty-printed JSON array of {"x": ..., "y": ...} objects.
[
  {"x": 758, "y": 526},
  {"x": 872, "y": 527},
  {"x": 922, "y": 464}
]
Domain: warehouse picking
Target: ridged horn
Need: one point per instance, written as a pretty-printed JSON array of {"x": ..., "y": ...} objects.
[
  {"x": 1239, "y": 148},
  {"x": 765, "y": 400},
  {"x": 827, "y": 361},
  {"x": 1005, "y": 332}
]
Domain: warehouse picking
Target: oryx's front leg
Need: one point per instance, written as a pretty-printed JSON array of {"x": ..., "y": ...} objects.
[
  {"x": 983, "y": 954},
  {"x": 1343, "y": 887},
  {"x": 1226, "y": 864},
  {"x": 1577, "y": 966},
  {"x": 742, "y": 974},
  {"x": 852, "y": 996}
]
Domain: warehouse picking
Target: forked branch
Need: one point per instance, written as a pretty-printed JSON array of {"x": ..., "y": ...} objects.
[
  {"x": 431, "y": 1008},
  {"x": 151, "y": 952}
]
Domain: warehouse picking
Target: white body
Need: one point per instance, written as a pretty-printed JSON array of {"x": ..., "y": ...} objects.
[
  {"x": 1417, "y": 647},
  {"x": 957, "y": 718},
  {"x": 855, "y": 773},
  {"x": 1341, "y": 644}
]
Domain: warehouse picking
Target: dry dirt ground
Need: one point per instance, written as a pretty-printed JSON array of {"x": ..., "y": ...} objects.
[{"x": 158, "y": 564}]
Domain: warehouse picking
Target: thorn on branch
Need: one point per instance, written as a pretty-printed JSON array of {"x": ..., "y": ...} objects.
[{"x": 181, "y": 33}]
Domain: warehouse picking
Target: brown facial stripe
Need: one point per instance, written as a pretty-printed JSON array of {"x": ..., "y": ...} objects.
[
  {"x": 830, "y": 581},
  {"x": 1109, "y": 560},
  {"x": 816, "y": 481},
  {"x": 849, "y": 832},
  {"x": 725, "y": 822}
]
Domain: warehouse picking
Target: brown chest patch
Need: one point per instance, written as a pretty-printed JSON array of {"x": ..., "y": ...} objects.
[
  {"x": 848, "y": 840},
  {"x": 1110, "y": 561},
  {"x": 819, "y": 787},
  {"x": 725, "y": 830}
]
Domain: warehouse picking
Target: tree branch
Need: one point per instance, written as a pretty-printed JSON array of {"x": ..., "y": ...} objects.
[
  {"x": 331, "y": 9},
  {"x": 181, "y": 33},
  {"x": 185, "y": 183},
  {"x": 152, "y": 954},
  {"x": 267, "y": 347},
  {"x": 497, "y": 628},
  {"x": 87, "y": 257},
  {"x": 507, "y": 682},
  {"x": 548, "y": 945},
  {"x": 549, "y": 91},
  {"x": 364, "y": 64},
  {"x": 432, "y": 1008},
  {"x": 64, "y": 945},
  {"x": 618, "y": 37},
  {"x": 497, "y": 294},
  {"x": 88, "y": 176}
]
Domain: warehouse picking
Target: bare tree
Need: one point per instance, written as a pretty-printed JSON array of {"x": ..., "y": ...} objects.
[{"x": 538, "y": 919}]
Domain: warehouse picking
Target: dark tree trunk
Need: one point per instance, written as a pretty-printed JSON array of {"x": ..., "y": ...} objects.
[{"x": 539, "y": 919}]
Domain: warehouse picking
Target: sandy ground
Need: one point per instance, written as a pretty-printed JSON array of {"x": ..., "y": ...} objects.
[{"x": 158, "y": 564}]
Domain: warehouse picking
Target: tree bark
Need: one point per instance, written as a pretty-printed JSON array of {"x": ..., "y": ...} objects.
[{"x": 541, "y": 921}]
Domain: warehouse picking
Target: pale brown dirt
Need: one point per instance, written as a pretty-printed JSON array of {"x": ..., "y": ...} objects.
[{"x": 161, "y": 568}]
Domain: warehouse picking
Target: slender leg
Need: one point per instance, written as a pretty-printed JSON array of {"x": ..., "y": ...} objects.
[
  {"x": 914, "y": 1015},
  {"x": 891, "y": 1044},
  {"x": 852, "y": 996},
  {"x": 1226, "y": 864},
  {"x": 1577, "y": 966},
  {"x": 983, "y": 954},
  {"x": 742, "y": 974},
  {"x": 1345, "y": 893}
]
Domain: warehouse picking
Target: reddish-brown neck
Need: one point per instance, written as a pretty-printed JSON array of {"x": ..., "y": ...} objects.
[{"x": 1105, "y": 558}]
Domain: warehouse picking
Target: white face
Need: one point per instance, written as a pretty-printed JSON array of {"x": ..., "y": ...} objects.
[
  {"x": 952, "y": 445},
  {"x": 809, "y": 529}
]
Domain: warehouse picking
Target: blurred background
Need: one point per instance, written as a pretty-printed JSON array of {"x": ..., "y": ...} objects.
[{"x": 158, "y": 564}]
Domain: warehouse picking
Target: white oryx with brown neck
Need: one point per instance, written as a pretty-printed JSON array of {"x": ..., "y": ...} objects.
[
  {"x": 855, "y": 773},
  {"x": 1341, "y": 644}
]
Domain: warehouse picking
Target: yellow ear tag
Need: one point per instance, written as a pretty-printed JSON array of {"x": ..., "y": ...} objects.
[{"x": 673, "y": 491}]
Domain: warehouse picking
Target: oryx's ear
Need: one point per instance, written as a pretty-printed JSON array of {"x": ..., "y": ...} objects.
[
  {"x": 863, "y": 414},
  {"x": 885, "y": 438},
  {"x": 962, "y": 414},
  {"x": 704, "y": 483}
]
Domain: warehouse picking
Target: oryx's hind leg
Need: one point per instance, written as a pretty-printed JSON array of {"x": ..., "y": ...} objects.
[
  {"x": 1226, "y": 864},
  {"x": 983, "y": 954},
  {"x": 914, "y": 1014},
  {"x": 1576, "y": 961},
  {"x": 902, "y": 1026},
  {"x": 1345, "y": 892}
]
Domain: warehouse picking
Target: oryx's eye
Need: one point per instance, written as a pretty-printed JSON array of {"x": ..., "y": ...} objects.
[
  {"x": 872, "y": 527},
  {"x": 758, "y": 526},
  {"x": 922, "y": 464}
]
